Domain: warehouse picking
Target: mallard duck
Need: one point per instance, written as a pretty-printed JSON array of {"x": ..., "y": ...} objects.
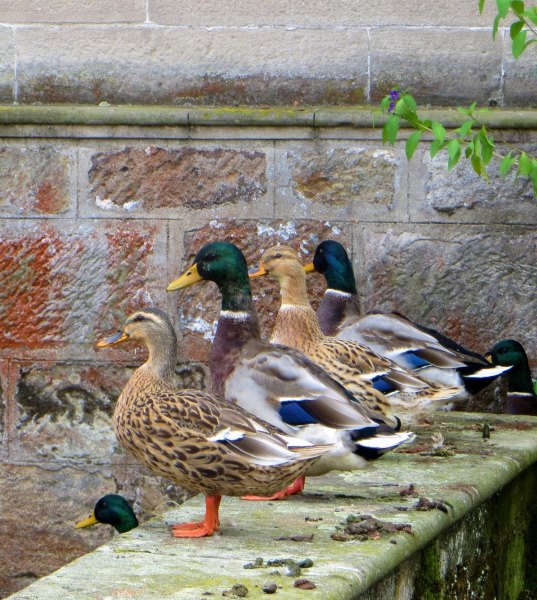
[
  {"x": 521, "y": 396},
  {"x": 354, "y": 365},
  {"x": 114, "y": 510},
  {"x": 412, "y": 346},
  {"x": 194, "y": 438},
  {"x": 280, "y": 384}
]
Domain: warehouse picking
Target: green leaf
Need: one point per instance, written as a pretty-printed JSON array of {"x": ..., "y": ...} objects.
[
  {"x": 385, "y": 104},
  {"x": 390, "y": 129},
  {"x": 471, "y": 108},
  {"x": 503, "y": 7},
  {"x": 486, "y": 145},
  {"x": 412, "y": 143},
  {"x": 454, "y": 151},
  {"x": 495, "y": 27},
  {"x": 533, "y": 173},
  {"x": 477, "y": 164},
  {"x": 436, "y": 146},
  {"x": 519, "y": 43},
  {"x": 438, "y": 131},
  {"x": 481, "y": 6},
  {"x": 410, "y": 102},
  {"x": 515, "y": 29},
  {"x": 517, "y": 6},
  {"x": 507, "y": 164},
  {"x": 464, "y": 129},
  {"x": 524, "y": 165},
  {"x": 531, "y": 14}
]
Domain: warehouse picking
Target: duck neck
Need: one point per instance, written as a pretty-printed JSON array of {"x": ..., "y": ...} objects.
[
  {"x": 293, "y": 290},
  {"x": 237, "y": 325},
  {"x": 519, "y": 378},
  {"x": 163, "y": 356},
  {"x": 335, "y": 307},
  {"x": 127, "y": 522}
]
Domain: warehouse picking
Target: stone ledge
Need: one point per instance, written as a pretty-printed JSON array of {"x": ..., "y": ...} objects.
[
  {"x": 464, "y": 474},
  {"x": 171, "y": 116}
]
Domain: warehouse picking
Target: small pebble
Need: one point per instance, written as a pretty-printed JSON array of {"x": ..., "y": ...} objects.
[
  {"x": 305, "y": 564},
  {"x": 292, "y": 570},
  {"x": 269, "y": 587},
  {"x": 237, "y": 591},
  {"x": 304, "y": 584}
]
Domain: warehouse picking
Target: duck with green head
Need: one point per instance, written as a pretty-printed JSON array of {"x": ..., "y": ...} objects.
[
  {"x": 280, "y": 384},
  {"x": 521, "y": 396},
  {"x": 434, "y": 355},
  {"x": 114, "y": 510}
]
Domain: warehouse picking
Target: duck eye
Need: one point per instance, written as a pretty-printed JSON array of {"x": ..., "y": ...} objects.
[
  {"x": 278, "y": 255},
  {"x": 139, "y": 318},
  {"x": 210, "y": 256}
]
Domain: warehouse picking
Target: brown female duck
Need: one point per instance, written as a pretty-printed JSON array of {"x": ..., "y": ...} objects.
[
  {"x": 352, "y": 364},
  {"x": 194, "y": 438}
]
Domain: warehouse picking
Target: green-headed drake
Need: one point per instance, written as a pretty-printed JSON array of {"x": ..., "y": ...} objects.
[
  {"x": 280, "y": 384},
  {"x": 114, "y": 510},
  {"x": 521, "y": 396},
  {"x": 435, "y": 356}
]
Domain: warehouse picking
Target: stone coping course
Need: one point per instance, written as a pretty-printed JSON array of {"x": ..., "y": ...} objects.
[{"x": 451, "y": 463}]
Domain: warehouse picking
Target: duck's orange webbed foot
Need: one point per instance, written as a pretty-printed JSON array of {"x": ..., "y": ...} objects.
[
  {"x": 205, "y": 528},
  {"x": 297, "y": 487}
]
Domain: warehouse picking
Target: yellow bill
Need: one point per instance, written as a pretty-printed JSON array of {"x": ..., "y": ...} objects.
[
  {"x": 189, "y": 277},
  {"x": 91, "y": 520}
]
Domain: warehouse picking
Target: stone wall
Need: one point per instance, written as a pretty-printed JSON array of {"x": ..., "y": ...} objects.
[
  {"x": 94, "y": 225},
  {"x": 243, "y": 52}
]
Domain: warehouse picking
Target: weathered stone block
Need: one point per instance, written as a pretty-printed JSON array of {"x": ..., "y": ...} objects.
[
  {"x": 520, "y": 78},
  {"x": 219, "y": 66},
  {"x": 65, "y": 410},
  {"x": 61, "y": 287},
  {"x": 475, "y": 285},
  {"x": 336, "y": 182},
  {"x": 461, "y": 196},
  {"x": 199, "y": 306},
  {"x": 437, "y": 66},
  {"x": 69, "y": 11},
  {"x": 142, "y": 181},
  {"x": 314, "y": 13},
  {"x": 35, "y": 181},
  {"x": 7, "y": 66}
]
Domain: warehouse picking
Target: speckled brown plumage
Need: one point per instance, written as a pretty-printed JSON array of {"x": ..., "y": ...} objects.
[
  {"x": 194, "y": 438},
  {"x": 354, "y": 365}
]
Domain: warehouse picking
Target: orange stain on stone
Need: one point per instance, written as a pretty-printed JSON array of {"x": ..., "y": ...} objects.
[
  {"x": 47, "y": 200},
  {"x": 25, "y": 288}
]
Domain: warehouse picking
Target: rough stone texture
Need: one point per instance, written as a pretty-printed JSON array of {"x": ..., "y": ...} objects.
[
  {"x": 7, "y": 71},
  {"x": 476, "y": 286},
  {"x": 314, "y": 13},
  {"x": 144, "y": 180},
  {"x": 198, "y": 306},
  {"x": 141, "y": 65},
  {"x": 65, "y": 410},
  {"x": 72, "y": 11},
  {"x": 439, "y": 66},
  {"x": 347, "y": 182},
  {"x": 461, "y": 196},
  {"x": 59, "y": 286},
  {"x": 40, "y": 506},
  {"x": 35, "y": 181}
]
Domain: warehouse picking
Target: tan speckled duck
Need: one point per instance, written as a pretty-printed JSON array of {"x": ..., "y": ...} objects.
[
  {"x": 195, "y": 438},
  {"x": 352, "y": 364}
]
